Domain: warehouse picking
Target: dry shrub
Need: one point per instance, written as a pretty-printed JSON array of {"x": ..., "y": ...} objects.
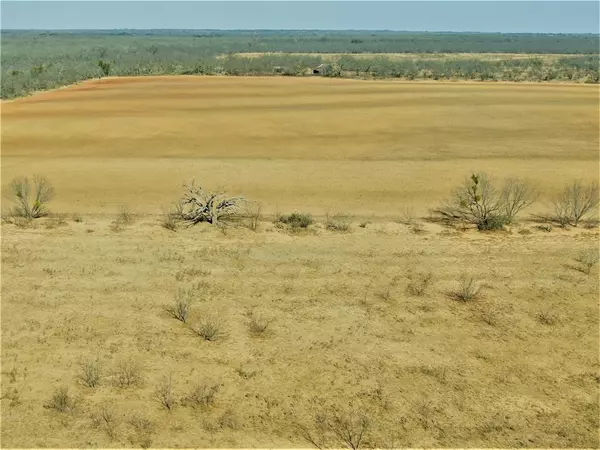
[
  {"x": 169, "y": 219},
  {"x": 202, "y": 395},
  {"x": 31, "y": 199},
  {"x": 164, "y": 392},
  {"x": 258, "y": 324},
  {"x": 419, "y": 284},
  {"x": 180, "y": 310},
  {"x": 252, "y": 215},
  {"x": 90, "y": 372},
  {"x": 128, "y": 373},
  {"x": 588, "y": 259},
  {"x": 547, "y": 318},
  {"x": 575, "y": 203},
  {"x": 478, "y": 202},
  {"x": 210, "y": 329},
  {"x": 106, "y": 418},
  {"x": 62, "y": 401},
  {"x": 338, "y": 222},
  {"x": 468, "y": 289},
  {"x": 296, "y": 220},
  {"x": 350, "y": 429}
]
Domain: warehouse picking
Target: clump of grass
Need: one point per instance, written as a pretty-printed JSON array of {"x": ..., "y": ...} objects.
[
  {"x": 468, "y": 289},
  {"x": 124, "y": 217},
  {"x": 165, "y": 394},
  {"x": 228, "y": 420},
  {"x": 419, "y": 284},
  {"x": 210, "y": 329},
  {"x": 91, "y": 372},
  {"x": 296, "y": 220},
  {"x": 546, "y": 228},
  {"x": 127, "y": 374},
  {"x": 547, "y": 318},
  {"x": 338, "y": 222},
  {"x": 169, "y": 219},
  {"x": 61, "y": 400},
  {"x": 258, "y": 324},
  {"x": 181, "y": 307},
  {"x": 588, "y": 259},
  {"x": 202, "y": 395}
]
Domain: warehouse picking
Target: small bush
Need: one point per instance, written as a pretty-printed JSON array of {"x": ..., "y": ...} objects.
[
  {"x": 125, "y": 216},
  {"x": 468, "y": 289},
  {"x": 128, "y": 373},
  {"x": 202, "y": 395},
  {"x": 90, "y": 372},
  {"x": 478, "y": 202},
  {"x": 210, "y": 329},
  {"x": 252, "y": 215},
  {"x": 257, "y": 324},
  {"x": 61, "y": 401},
  {"x": 296, "y": 220},
  {"x": 588, "y": 259},
  {"x": 31, "y": 199},
  {"x": 338, "y": 222},
  {"x": 106, "y": 418},
  {"x": 164, "y": 393},
  {"x": 576, "y": 202},
  {"x": 104, "y": 67},
  {"x": 182, "y": 305}
]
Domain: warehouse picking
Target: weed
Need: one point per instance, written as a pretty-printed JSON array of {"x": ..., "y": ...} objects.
[
  {"x": 338, "y": 222},
  {"x": 210, "y": 329},
  {"x": 62, "y": 401},
  {"x": 258, "y": 324},
  {"x": 90, "y": 372},
  {"x": 419, "y": 284},
  {"x": 105, "y": 417},
  {"x": 202, "y": 395},
  {"x": 128, "y": 373},
  {"x": 296, "y": 220},
  {"x": 164, "y": 393},
  {"x": 181, "y": 307},
  {"x": 547, "y": 318},
  {"x": 588, "y": 259},
  {"x": 468, "y": 289}
]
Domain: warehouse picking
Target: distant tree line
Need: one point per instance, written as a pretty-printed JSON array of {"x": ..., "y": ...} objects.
[{"x": 34, "y": 61}]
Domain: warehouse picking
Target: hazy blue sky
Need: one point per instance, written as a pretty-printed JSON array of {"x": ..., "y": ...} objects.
[{"x": 504, "y": 16}]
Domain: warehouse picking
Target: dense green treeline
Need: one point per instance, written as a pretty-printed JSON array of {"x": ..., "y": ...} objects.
[{"x": 37, "y": 60}]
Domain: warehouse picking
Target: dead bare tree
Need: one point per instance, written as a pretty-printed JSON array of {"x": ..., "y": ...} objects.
[{"x": 199, "y": 205}]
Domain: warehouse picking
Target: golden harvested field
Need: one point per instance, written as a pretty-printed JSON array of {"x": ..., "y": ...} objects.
[
  {"x": 496, "y": 56},
  {"x": 362, "y": 326}
]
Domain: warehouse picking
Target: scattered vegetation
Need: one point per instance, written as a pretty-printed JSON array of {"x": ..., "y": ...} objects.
[
  {"x": 258, "y": 324},
  {"x": 31, "y": 198},
  {"x": 105, "y": 418}
]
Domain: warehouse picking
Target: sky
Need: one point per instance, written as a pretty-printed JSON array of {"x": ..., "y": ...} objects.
[{"x": 477, "y": 16}]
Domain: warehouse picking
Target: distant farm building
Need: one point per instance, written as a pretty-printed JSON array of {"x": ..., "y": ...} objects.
[{"x": 322, "y": 69}]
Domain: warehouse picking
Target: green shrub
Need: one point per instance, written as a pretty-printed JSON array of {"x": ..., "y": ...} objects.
[{"x": 296, "y": 220}]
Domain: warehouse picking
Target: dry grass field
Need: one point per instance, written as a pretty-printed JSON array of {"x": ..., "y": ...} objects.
[{"x": 316, "y": 335}]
